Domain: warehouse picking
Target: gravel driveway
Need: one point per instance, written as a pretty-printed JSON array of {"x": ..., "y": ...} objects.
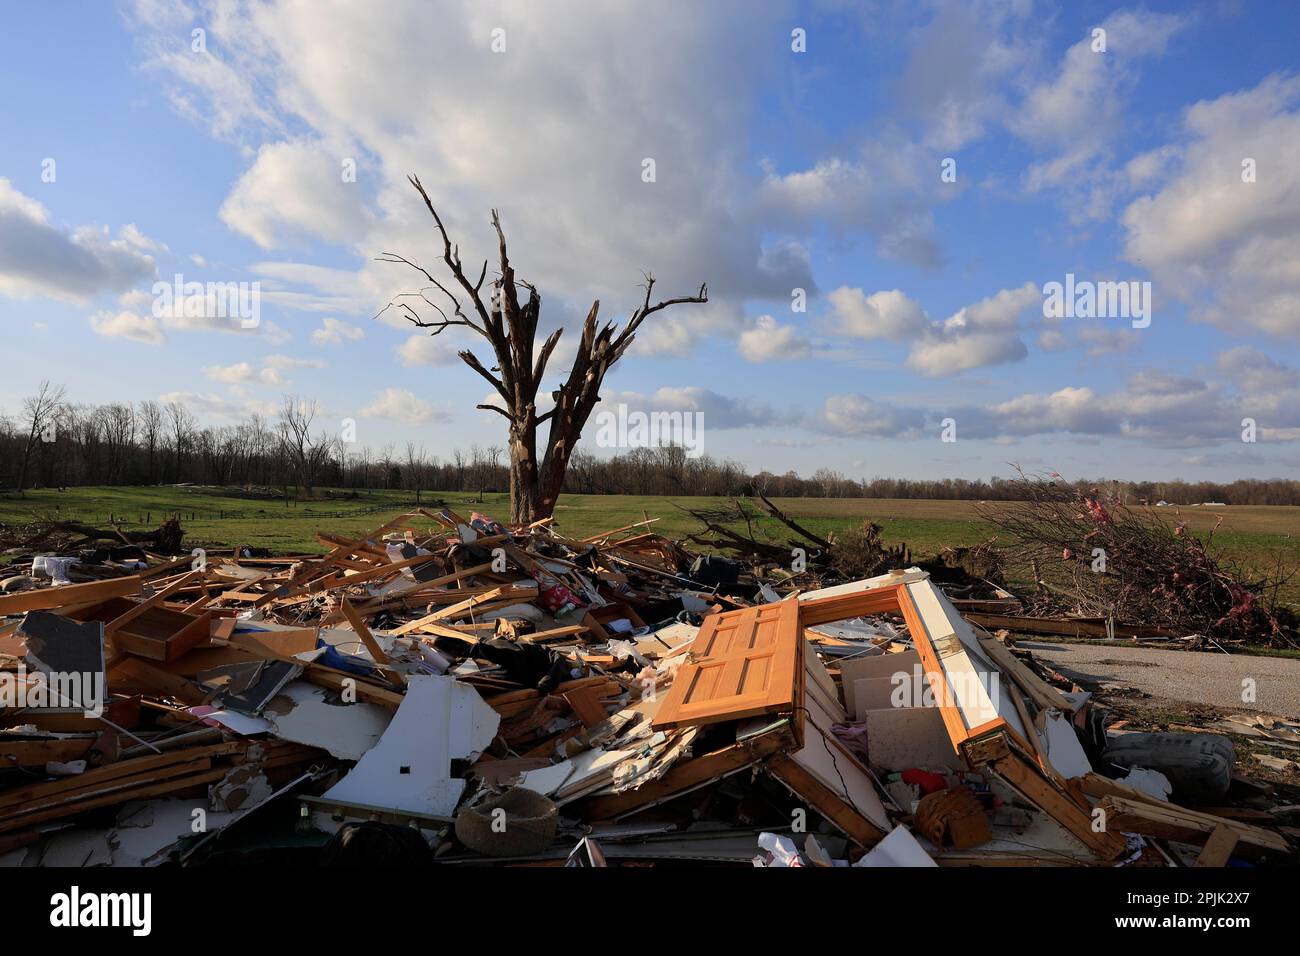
[{"x": 1196, "y": 676}]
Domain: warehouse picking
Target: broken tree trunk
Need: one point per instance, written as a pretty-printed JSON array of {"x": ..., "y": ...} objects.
[{"x": 510, "y": 328}]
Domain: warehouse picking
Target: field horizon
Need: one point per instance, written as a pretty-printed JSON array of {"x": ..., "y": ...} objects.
[{"x": 227, "y": 517}]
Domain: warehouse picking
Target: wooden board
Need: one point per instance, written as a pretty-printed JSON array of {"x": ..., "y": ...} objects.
[
  {"x": 587, "y": 706},
  {"x": 1043, "y": 693},
  {"x": 841, "y": 607},
  {"x": 1169, "y": 821},
  {"x": 1218, "y": 848},
  {"x": 743, "y": 663},
  {"x": 1067, "y": 627},
  {"x": 1060, "y": 807},
  {"x": 69, "y": 595}
]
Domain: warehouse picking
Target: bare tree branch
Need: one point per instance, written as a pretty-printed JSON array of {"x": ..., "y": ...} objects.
[{"x": 510, "y": 327}]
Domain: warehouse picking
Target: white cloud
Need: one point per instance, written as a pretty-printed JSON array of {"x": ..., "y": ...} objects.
[
  {"x": 39, "y": 258},
  {"x": 209, "y": 405},
  {"x": 1084, "y": 94},
  {"x": 1153, "y": 409},
  {"x": 218, "y": 306},
  {"x": 1052, "y": 340},
  {"x": 295, "y": 190},
  {"x": 1078, "y": 114},
  {"x": 1231, "y": 248},
  {"x": 665, "y": 336},
  {"x": 719, "y": 411},
  {"x": 244, "y": 373},
  {"x": 334, "y": 331},
  {"x": 1000, "y": 312},
  {"x": 201, "y": 314},
  {"x": 886, "y": 193},
  {"x": 881, "y": 315},
  {"x": 402, "y": 405},
  {"x": 283, "y": 362},
  {"x": 976, "y": 336},
  {"x": 1253, "y": 371},
  {"x": 593, "y": 116},
  {"x": 768, "y": 341},
  {"x": 984, "y": 333},
  {"x": 1101, "y": 340},
  {"x": 128, "y": 325},
  {"x": 426, "y": 350},
  {"x": 859, "y": 416},
  {"x": 1071, "y": 409},
  {"x": 957, "y": 65},
  {"x": 1147, "y": 167},
  {"x": 940, "y": 355},
  {"x": 133, "y": 237}
]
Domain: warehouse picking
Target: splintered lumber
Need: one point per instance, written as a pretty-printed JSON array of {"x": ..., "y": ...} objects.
[
  {"x": 831, "y": 805},
  {"x": 107, "y": 775},
  {"x": 69, "y": 595},
  {"x": 1218, "y": 848},
  {"x": 145, "y": 790},
  {"x": 554, "y": 634},
  {"x": 162, "y": 569},
  {"x": 337, "y": 680},
  {"x": 37, "y": 753},
  {"x": 306, "y": 572},
  {"x": 376, "y": 652},
  {"x": 261, "y": 644},
  {"x": 1060, "y": 807},
  {"x": 587, "y": 706},
  {"x": 449, "y": 612},
  {"x": 69, "y": 792},
  {"x": 1171, "y": 822},
  {"x": 140, "y": 778},
  {"x": 456, "y": 595},
  {"x": 115, "y": 625},
  {"x": 400, "y": 598},
  {"x": 1066, "y": 627},
  {"x": 627, "y": 527},
  {"x": 348, "y": 546},
  {"x": 465, "y": 632},
  {"x": 196, "y": 606},
  {"x": 345, "y": 580},
  {"x": 1097, "y": 786},
  {"x": 136, "y": 673},
  {"x": 1042, "y": 693}
]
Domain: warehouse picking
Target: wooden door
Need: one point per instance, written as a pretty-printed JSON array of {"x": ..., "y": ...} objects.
[{"x": 743, "y": 663}]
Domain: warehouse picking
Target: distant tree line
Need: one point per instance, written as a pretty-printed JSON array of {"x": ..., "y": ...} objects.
[{"x": 52, "y": 442}]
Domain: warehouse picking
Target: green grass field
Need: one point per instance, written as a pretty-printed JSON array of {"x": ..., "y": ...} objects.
[{"x": 225, "y": 517}]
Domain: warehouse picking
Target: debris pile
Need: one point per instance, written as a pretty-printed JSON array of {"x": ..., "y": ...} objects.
[
  {"x": 1093, "y": 557},
  {"x": 804, "y": 557},
  {"x": 446, "y": 689}
]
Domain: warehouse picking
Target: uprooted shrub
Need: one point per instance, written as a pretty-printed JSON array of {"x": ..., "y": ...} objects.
[
  {"x": 859, "y": 553},
  {"x": 1093, "y": 556},
  {"x": 964, "y": 567}
]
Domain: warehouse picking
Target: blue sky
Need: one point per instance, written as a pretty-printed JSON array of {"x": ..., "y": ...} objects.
[{"x": 774, "y": 170}]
